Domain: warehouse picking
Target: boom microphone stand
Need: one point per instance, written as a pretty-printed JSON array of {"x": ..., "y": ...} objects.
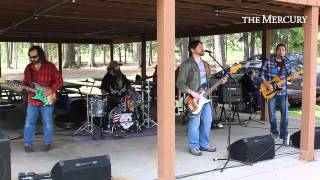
[{"x": 228, "y": 116}]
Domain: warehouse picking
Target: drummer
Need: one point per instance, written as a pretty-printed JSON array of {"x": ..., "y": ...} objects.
[{"x": 115, "y": 84}]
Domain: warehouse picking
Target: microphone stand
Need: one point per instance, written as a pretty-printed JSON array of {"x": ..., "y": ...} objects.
[
  {"x": 227, "y": 119},
  {"x": 286, "y": 140}
]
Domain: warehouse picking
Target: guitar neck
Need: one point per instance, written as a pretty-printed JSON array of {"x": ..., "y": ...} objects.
[
  {"x": 215, "y": 86},
  {"x": 15, "y": 84}
]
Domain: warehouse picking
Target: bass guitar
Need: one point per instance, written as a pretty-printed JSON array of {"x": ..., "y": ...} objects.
[
  {"x": 38, "y": 91},
  {"x": 195, "y": 106}
]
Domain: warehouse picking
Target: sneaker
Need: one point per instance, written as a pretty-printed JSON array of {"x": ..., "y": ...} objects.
[
  {"x": 209, "y": 149},
  {"x": 195, "y": 152},
  {"x": 46, "y": 147},
  {"x": 28, "y": 149},
  {"x": 275, "y": 136}
]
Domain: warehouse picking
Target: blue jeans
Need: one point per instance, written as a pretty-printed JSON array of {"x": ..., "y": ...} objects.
[
  {"x": 282, "y": 102},
  {"x": 199, "y": 128},
  {"x": 31, "y": 120}
]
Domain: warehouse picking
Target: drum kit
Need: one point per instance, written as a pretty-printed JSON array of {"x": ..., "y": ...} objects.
[{"x": 131, "y": 115}]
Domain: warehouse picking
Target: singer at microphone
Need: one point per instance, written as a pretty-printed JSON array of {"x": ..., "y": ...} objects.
[{"x": 277, "y": 67}]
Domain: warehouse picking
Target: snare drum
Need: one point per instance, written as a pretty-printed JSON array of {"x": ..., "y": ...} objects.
[{"x": 97, "y": 107}]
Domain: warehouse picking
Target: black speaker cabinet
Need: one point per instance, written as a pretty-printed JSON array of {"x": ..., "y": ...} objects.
[
  {"x": 295, "y": 138},
  {"x": 230, "y": 90},
  {"x": 5, "y": 162},
  {"x": 92, "y": 168},
  {"x": 254, "y": 149}
]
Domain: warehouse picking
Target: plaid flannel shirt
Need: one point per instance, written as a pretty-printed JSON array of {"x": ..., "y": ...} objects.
[{"x": 270, "y": 68}]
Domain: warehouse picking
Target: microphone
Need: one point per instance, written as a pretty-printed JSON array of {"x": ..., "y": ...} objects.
[{"x": 207, "y": 51}]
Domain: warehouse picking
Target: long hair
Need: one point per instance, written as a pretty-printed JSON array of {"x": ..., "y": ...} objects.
[
  {"x": 192, "y": 45},
  {"x": 41, "y": 54}
]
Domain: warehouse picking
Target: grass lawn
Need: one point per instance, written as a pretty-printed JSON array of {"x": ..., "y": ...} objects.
[{"x": 296, "y": 112}]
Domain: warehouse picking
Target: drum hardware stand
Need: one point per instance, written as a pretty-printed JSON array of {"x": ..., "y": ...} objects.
[
  {"x": 147, "y": 121},
  {"x": 89, "y": 125}
]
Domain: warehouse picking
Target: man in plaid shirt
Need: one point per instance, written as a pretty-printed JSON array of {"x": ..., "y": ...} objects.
[
  {"x": 277, "y": 65},
  {"x": 45, "y": 74}
]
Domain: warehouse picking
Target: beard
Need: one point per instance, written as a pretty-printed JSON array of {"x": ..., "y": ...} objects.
[
  {"x": 117, "y": 72},
  {"x": 36, "y": 61}
]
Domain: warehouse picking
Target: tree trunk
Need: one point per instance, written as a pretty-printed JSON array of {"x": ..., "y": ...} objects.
[
  {"x": 252, "y": 43},
  {"x": 150, "y": 53},
  {"x": 104, "y": 55},
  {"x": 246, "y": 45},
  {"x": 68, "y": 56},
  {"x": 16, "y": 48},
  {"x": 8, "y": 48},
  {"x": 138, "y": 53},
  {"x": 125, "y": 54},
  {"x": 119, "y": 52},
  {"x": 78, "y": 55},
  {"x": 92, "y": 52},
  {"x": 132, "y": 53},
  {"x": 220, "y": 49},
  {"x": 185, "y": 52}
]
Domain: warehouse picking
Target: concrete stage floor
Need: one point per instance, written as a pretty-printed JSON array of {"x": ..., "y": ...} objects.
[{"x": 136, "y": 157}]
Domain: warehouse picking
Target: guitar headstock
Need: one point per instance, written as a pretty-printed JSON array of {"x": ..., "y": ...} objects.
[
  {"x": 235, "y": 68},
  {"x": 3, "y": 81}
]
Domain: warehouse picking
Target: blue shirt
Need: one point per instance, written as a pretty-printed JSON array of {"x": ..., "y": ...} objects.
[
  {"x": 202, "y": 70},
  {"x": 271, "y": 68}
]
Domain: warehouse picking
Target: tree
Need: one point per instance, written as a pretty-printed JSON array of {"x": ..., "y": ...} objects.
[
  {"x": 68, "y": 56},
  {"x": 92, "y": 51},
  {"x": 220, "y": 52},
  {"x": 150, "y": 53},
  {"x": 119, "y": 52},
  {"x": 78, "y": 55},
  {"x": 7, "y": 52},
  {"x": 252, "y": 43},
  {"x": 185, "y": 52},
  {"x": 246, "y": 45},
  {"x": 137, "y": 57}
]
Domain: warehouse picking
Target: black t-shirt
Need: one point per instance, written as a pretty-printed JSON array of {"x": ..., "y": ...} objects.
[{"x": 115, "y": 85}]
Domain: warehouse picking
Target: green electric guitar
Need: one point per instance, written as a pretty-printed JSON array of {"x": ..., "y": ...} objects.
[{"x": 38, "y": 91}]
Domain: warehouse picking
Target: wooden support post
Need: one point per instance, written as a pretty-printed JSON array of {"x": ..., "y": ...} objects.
[
  {"x": 266, "y": 45},
  {"x": 60, "y": 57},
  {"x": 165, "y": 89},
  {"x": 309, "y": 84}
]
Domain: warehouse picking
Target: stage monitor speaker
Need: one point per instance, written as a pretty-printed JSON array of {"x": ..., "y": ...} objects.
[
  {"x": 5, "y": 162},
  {"x": 92, "y": 168},
  {"x": 230, "y": 90},
  {"x": 254, "y": 149},
  {"x": 295, "y": 138}
]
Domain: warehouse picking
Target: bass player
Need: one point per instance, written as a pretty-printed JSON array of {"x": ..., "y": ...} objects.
[{"x": 193, "y": 73}]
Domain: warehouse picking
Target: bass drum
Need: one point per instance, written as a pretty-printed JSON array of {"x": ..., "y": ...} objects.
[{"x": 121, "y": 119}]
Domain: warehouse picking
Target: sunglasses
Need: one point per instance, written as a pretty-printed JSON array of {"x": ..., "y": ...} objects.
[{"x": 33, "y": 57}]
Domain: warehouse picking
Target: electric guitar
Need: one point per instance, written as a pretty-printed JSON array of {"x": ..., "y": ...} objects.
[
  {"x": 38, "y": 91},
  {"x": 276, "y": 82},
  {"x": 195, "y": 106}
]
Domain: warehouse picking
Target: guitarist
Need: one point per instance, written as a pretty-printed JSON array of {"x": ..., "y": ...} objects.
[
  {"x": 193, "y": 73},
  {"x": 43, "y": 72},
  {"x": 277, "y": 65}
]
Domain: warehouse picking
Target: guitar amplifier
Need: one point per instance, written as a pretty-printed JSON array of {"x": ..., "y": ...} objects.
[{"x": 230, "y": 90}]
